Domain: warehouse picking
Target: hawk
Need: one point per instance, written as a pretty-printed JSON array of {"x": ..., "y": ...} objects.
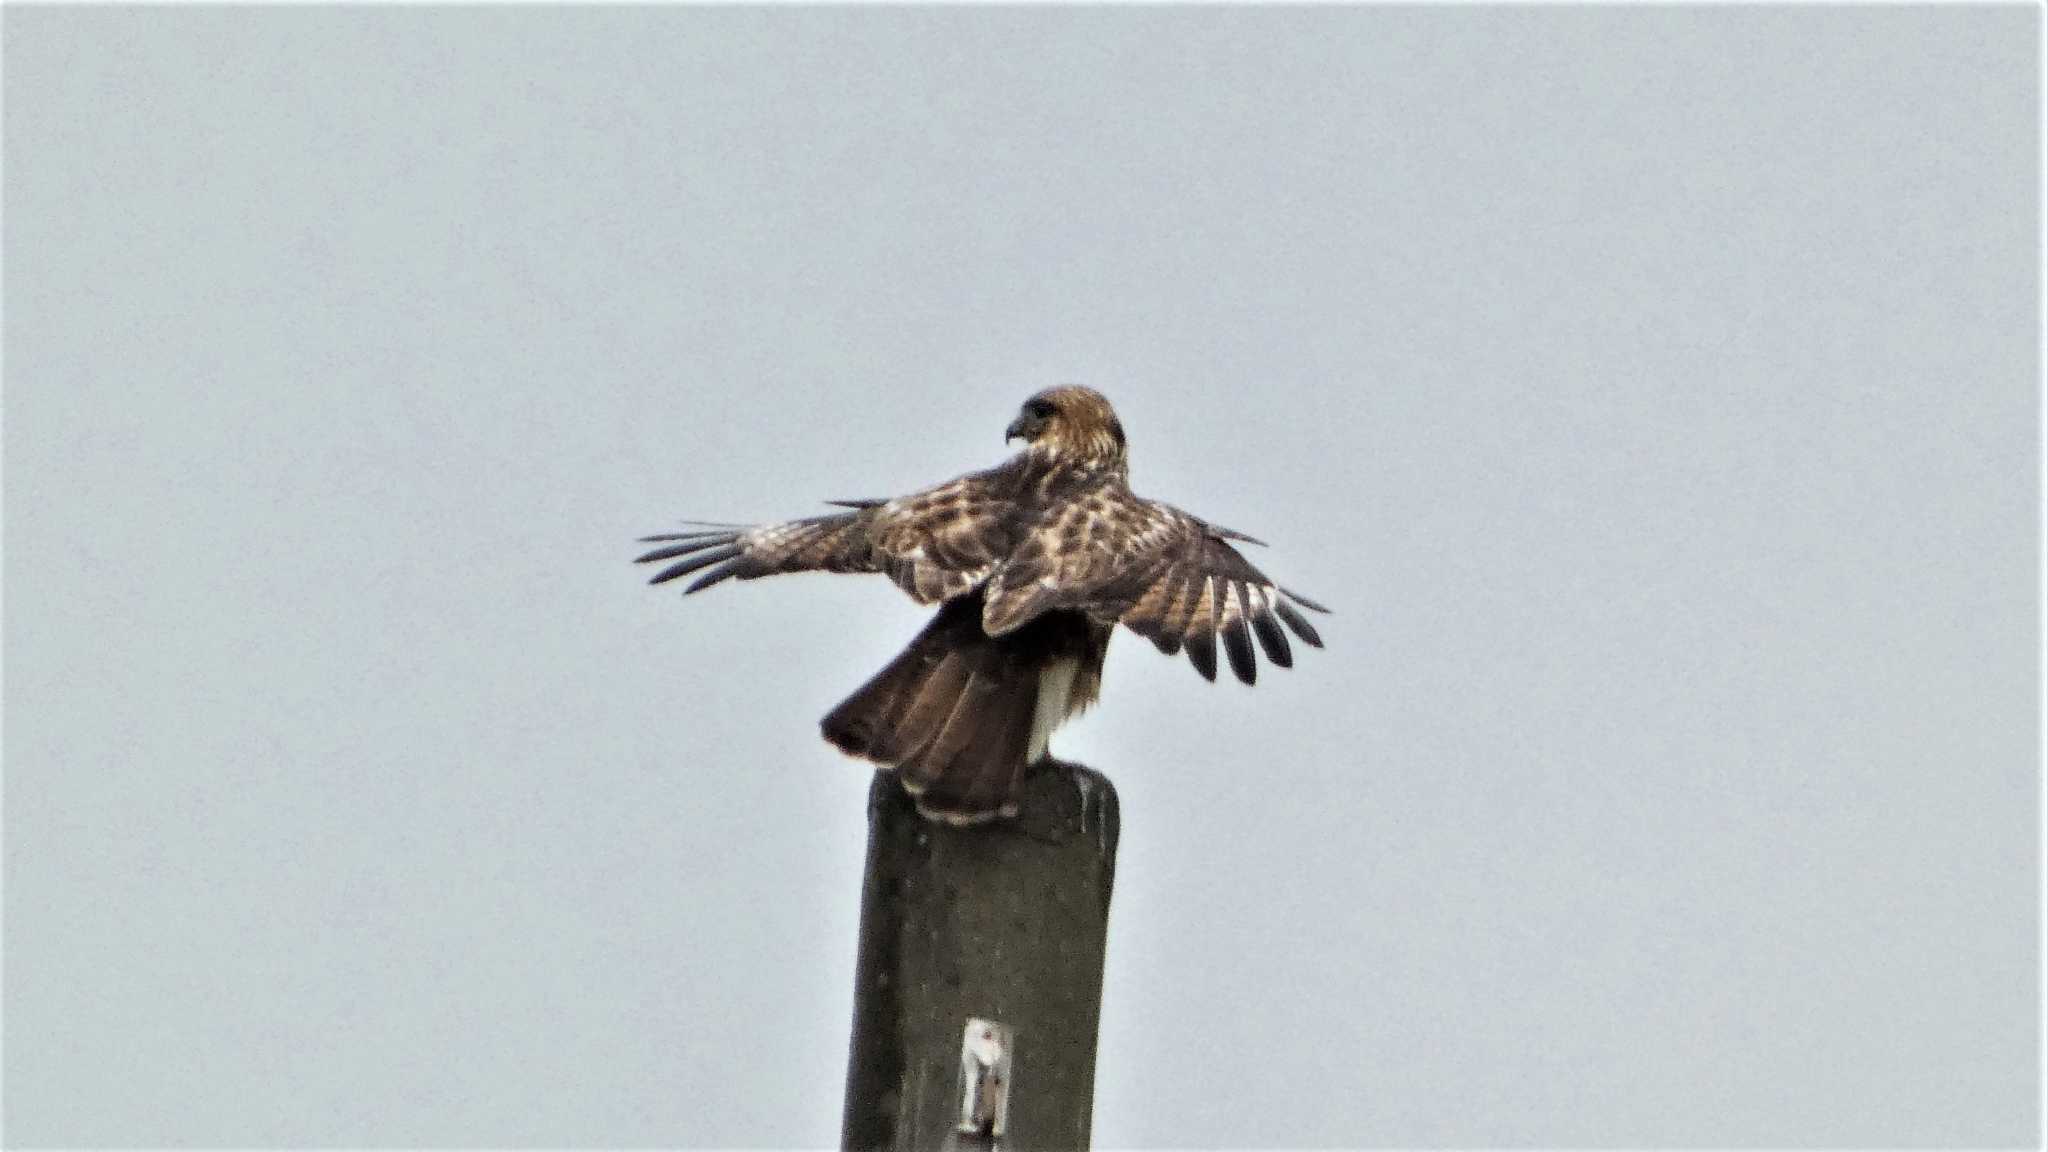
[{"x": 1032, "y": 563}]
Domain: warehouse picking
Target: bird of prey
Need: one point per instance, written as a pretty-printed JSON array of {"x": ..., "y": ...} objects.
[{"x": 1032, "y": 564}]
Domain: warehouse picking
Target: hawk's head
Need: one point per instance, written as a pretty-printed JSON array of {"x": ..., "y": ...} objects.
[{"x": 1070, "y": 421}]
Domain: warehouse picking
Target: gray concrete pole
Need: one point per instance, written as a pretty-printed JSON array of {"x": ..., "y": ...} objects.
[{"x": 1004, "y": 924}]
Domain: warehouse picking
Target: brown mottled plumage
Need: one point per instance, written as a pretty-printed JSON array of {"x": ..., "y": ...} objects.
[{"x": 1033, "y": 563}]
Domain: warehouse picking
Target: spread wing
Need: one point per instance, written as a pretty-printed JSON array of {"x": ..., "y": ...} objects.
[
  {"x": 935, "y": 544},
  {"x": 1166, "y": 575},
  {"x": 1202, "y": 588}
]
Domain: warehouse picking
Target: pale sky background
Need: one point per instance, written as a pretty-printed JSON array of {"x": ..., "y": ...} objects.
[{"x": 1651, "y": 391}]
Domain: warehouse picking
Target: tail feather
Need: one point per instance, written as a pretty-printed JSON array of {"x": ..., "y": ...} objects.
[
  {"x": 953, "y": 713},
  {"x": 869, "y": 722},
  {"x": 965, "y": 773},
  {"x": 1002, "y": 747},
  {"x": 934, "y": 704}
]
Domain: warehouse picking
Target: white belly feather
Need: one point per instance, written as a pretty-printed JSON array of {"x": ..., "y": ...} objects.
[{"x": 1055, "y": 692}]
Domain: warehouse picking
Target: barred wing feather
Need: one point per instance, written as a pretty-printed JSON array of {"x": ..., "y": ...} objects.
[{"x": 1202, "y": 590}]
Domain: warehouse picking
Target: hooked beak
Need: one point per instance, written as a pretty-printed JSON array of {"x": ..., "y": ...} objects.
[{"x": 1018, "y": 430}]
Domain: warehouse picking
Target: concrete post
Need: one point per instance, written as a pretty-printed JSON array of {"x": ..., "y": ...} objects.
[{"x": 1003, "y": 923}]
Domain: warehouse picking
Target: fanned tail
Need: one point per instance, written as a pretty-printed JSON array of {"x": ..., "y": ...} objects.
[{"x": 952, "y": 714}]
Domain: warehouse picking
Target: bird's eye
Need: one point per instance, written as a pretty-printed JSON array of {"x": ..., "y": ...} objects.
[{"x": 1039, "y": 409}]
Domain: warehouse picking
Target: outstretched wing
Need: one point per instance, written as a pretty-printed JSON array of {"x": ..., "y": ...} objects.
[
  {"x": 1200, "y": 588},
  {"x": 820, "y": 544},
  {"x": 1164, "y": 574},
  {"x": 935, "y": 544}
]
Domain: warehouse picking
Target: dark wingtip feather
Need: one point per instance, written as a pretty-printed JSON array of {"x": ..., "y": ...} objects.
[
  {"x": 668, "y": 536},
  {"x": 692, "y": 563},
  {"x": 1304, "y": 601},
  {"x": 1273, "y": 640},
  {"x": 1298, "y": 622},
  {"x": 1201, "y": 646},
  {"x": 685, "y": 548},
  {"x": 1237, "y": 644},
  {"x": 1234, "y": 534},
  {"x": 725, "y": 571},
  {"x": 856, "y": 503}
]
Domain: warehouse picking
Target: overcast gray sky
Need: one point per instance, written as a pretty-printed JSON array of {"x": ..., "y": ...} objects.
[{"x": 1650, "y": 391}]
